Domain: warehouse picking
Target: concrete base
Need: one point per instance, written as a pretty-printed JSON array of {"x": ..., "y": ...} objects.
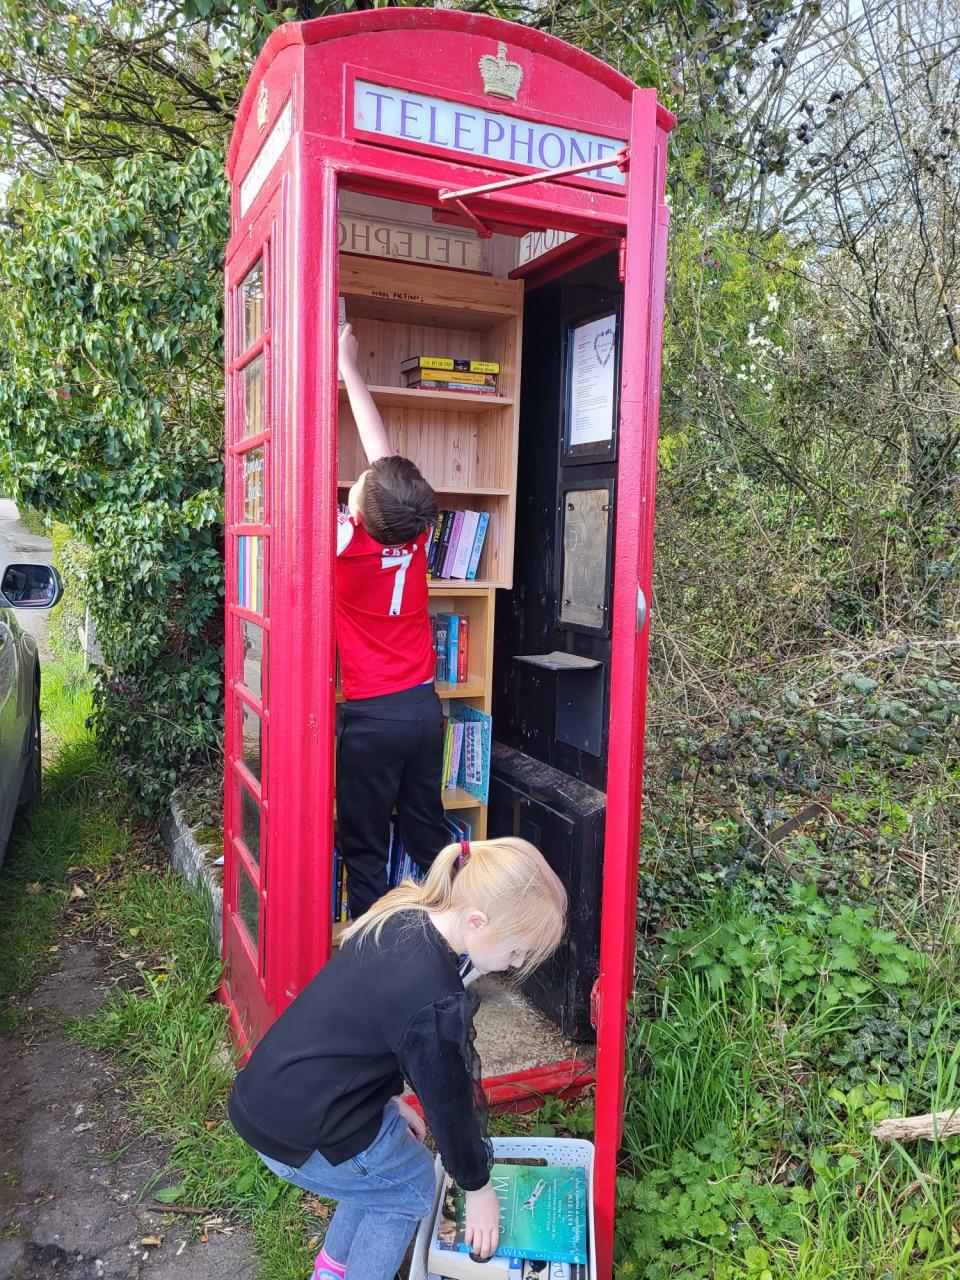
[{"x": 194, "y": 863}]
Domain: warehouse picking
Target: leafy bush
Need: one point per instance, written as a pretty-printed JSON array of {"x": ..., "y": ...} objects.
[{"x": 111, "y": 410}]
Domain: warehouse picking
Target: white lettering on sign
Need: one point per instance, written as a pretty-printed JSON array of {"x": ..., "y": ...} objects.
[
  {"x": 456, "y": 126},
  {"x": 409, "y": 243},
  {"x": 267, "y": 157},
  {"x": 536, "y": 243}
]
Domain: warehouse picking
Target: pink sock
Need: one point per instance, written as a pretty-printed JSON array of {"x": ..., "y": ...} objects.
[{"x": 326, "y": 1266}]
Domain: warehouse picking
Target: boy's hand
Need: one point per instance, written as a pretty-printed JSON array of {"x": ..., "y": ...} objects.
[
  {"x": 348, "y": 348},
  {"x": 482, "y": 1226},
  {"x": 415, "y": 1122}
]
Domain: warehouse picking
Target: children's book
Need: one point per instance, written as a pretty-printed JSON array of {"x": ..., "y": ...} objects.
[
  {"x": 543, "y": 1215},
  {"x": 468, "y": 532},
  {"x": 447, "y": 1260},
  {"x": 456, "y": 750},
  {"x": 478, "y": 544},
  {"x": 477, "y": 750}
]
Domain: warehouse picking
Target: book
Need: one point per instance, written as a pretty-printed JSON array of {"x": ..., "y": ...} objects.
[
  {"x": 456, "y": 750},
  {"x": 447, "y": 749},
  {"x": 543, "y": 1211},
  {"x": 448, "y": 375},
  {"x": 441, "y": 675},
  {"x": 477, "y": 750},
  {"x": 453, "y": 645},
  {"x": 459, "y": 387},
  {"x": 472, "y": 773},
  {"x": 444, "y": 544},
  {"x": 433, "y": 547},
  {"x": 481, "y": 533},
  {"x": 452, "y": 546},
  {"x": 450, "y": 362},
  {"x": 540, "y": 1269},
  {"x": 464, "y": 549},
  {"x": 463, "y": 649},
  {"x": 447, "y": 1261}
]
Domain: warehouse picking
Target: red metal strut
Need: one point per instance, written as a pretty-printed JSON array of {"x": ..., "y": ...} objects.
[{"x": 542, "y": 175}]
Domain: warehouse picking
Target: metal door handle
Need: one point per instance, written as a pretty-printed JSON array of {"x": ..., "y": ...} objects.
[{"x": 641, "y": 608}]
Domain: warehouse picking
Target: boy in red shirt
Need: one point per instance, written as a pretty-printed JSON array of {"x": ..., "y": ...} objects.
[{"x": 390, "y": 724}]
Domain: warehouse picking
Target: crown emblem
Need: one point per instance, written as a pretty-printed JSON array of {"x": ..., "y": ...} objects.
[
  {"x": 262, "y": 107},
  {"x": 501, "y": 78}
]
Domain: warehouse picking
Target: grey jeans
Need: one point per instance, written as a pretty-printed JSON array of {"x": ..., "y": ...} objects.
[{"x": 383, "y": 1193}]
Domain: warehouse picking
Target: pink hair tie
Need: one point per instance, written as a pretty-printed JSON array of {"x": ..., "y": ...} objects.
[{"x": 464, "y": 853}]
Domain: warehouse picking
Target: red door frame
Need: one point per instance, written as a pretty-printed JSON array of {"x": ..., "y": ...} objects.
[{"x": 301, "y": 711}]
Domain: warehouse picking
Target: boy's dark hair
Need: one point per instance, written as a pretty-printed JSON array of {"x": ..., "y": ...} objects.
[{"x": 396, "y": 502}]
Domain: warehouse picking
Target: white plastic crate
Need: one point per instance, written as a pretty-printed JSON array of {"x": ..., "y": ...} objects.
[{"x": 576, "y": 1152}]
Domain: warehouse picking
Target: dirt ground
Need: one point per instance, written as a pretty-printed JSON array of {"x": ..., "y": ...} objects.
[{"x": 74, "y": 1176}]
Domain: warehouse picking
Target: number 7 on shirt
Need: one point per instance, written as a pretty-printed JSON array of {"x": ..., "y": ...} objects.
[{"x": 393, "y": 558}]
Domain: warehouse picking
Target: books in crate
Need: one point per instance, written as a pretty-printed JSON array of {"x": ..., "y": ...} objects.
[
  {"x": 543, "y": 1227},
  {"x": 456, "y": 542},
  {"x": 450, "y": 373}
]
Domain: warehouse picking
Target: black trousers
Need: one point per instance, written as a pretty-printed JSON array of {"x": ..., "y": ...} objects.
[{"x": 389, "y": 754}]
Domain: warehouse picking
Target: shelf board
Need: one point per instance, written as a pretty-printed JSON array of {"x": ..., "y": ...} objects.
[
  {"x": 454, "y": 798},
  {"x": 424, "y": 295},
  {"x": 464, "y": 490},
  {"x": 435, "y": 401},
  {"x": 457, "y": 586},
  {"x": 472, "y": 688}
]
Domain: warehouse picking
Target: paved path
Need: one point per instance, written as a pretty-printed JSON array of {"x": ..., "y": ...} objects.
[{"x": 19, "y": 546}]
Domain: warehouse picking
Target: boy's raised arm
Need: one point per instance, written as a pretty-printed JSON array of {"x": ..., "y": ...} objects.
[{"x": 370, "y": 428}]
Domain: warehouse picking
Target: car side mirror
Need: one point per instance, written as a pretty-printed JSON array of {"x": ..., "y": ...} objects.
[{"x": 30, "y": 586}]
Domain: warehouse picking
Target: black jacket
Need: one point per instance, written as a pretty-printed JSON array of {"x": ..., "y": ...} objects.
[{"x": 376, "y": 1014}]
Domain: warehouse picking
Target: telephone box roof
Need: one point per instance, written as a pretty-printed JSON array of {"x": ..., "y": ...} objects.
[{"x": 367, "y": 22}]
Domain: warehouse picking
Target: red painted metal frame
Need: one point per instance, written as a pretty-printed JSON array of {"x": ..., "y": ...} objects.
[{"x": 297, "y": 210}]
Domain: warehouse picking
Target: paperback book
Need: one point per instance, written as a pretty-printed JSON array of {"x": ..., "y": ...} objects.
[{"x": 543, "y": 1218}]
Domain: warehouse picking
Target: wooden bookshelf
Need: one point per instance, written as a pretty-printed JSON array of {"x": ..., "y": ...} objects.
[{"x": 465, "y": 444}]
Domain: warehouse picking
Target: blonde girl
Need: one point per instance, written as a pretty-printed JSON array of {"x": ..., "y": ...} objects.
[{"x": 319, "y": 1099}]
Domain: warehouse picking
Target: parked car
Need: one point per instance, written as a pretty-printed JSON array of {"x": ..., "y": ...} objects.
[{"x": 23, "y": 586}]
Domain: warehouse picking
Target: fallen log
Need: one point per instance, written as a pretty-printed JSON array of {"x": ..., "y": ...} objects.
[{"x": 939, "y": 1124}]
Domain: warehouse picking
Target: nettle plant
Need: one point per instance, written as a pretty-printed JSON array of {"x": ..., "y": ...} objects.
[{"x": 111, "y": 411}]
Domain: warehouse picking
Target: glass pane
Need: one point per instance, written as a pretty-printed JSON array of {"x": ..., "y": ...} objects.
[
  {"x": 251, "y": 555},
  {"x": 250, "y": 823},
  {"x": 251, "y": 638},
  {"x": 586, "y": 515},
  {"x": 254, "y": 397},
  {"x": 252, "y": 466},
  {"x": 248, "y": 907},
  {"x": 251, "y": 306},
  {"x": 252, "y": 732}
]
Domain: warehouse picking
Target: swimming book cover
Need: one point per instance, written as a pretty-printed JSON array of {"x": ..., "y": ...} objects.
[{"x": 543, "y": 1213}]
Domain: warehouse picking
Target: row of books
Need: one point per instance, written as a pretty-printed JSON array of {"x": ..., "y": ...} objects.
[
  {"x": 456, "y": 542},
  {"x": 543, "y": 1226},
  {"x": 462, "y": 753},
  {"x": 450, "y": 636},
  {"x": 450, "y": 373},
  {"x": 400, "y": 866}
]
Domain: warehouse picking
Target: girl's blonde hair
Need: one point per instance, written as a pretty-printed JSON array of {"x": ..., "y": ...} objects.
[{"x": 507, "y": 879}]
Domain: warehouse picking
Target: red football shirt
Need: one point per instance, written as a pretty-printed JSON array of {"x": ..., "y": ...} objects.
[{"x": 383, "y": 628}]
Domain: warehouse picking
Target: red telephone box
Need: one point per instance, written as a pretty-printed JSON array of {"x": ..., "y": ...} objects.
[{"x": 431, "y": 167}]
